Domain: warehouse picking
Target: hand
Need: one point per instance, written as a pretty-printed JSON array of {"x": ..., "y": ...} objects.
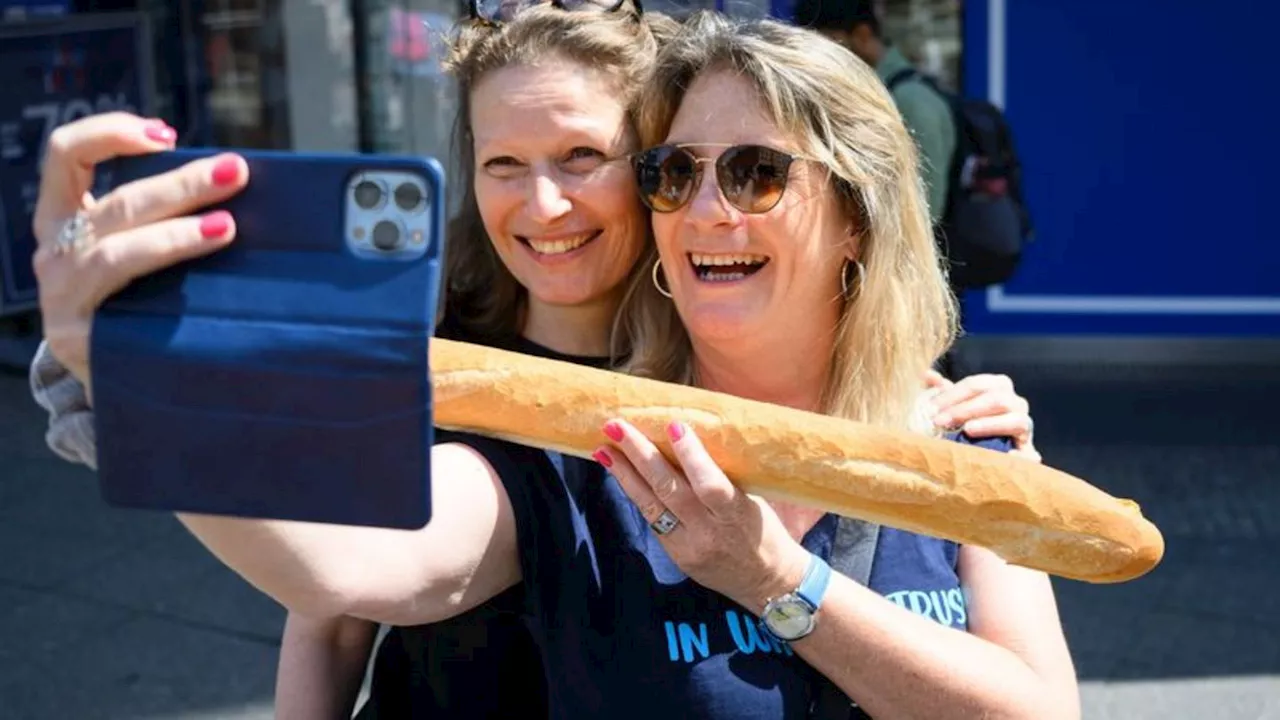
[
  {"x": 725, "y": 539},
  {"x": 984, "y": 406},
  {"x": 136, "y": 229}
]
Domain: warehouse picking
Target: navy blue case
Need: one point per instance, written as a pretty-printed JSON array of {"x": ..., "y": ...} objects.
[{"x": 284, "y": 377}]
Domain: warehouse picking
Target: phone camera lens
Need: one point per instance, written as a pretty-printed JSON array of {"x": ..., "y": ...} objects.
[
  {"x": 386, "y": 236},
  {"x": 408, "y": 197},
  {"x": 368, "y": 194}
]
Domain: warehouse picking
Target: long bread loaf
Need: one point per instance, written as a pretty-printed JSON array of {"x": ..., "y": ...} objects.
[{"x": 1029, "y": 514}]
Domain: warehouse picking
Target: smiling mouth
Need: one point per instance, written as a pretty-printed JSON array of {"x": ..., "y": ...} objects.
[
  {"x": 559, "y": 246},
  {"x": 726, "y": 267}
]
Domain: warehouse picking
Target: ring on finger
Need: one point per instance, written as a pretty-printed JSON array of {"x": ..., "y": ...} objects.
[
  {"x": 665, "y": 523},
  {"x": 76, "y": 233},
  {"x": 1031, "y": 429}
]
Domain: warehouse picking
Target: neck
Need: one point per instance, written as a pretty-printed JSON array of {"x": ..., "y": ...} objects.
[
  {"x": 571, "y": 329},
  {"x": 767, "y": 370}
]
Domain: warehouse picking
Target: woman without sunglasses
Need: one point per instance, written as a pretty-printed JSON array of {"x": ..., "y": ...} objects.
[{"x": 537, "y": 182}]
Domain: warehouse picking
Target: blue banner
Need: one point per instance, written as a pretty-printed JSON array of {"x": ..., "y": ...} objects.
[{"x": 56, "y": 71}]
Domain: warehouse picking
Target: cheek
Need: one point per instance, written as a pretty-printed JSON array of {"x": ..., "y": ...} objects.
[{"x": 496, "y": 201}]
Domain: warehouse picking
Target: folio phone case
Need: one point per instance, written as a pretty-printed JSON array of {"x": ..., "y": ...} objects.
[{"x": 285, "y": 376}]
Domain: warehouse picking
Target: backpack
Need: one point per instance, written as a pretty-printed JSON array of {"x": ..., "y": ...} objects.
[{"x": 986, "y": 223}]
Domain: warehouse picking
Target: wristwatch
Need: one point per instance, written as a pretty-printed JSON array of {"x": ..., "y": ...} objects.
[{"x": 794, "y": 615}]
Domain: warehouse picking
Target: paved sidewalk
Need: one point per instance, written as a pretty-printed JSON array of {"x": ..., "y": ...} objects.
[{"x": 108, "y": 614}]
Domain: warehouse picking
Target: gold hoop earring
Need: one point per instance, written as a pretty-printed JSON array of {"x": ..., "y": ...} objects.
[
  {"x": 657, "y": 265},
  {"x": 844, "y": 275}
]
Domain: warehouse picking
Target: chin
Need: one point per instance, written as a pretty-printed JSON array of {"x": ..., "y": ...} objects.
[{"x": 720, "y": 324}]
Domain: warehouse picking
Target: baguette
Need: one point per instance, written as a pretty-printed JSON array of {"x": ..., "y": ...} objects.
[{"x": 1027, "y": 513}]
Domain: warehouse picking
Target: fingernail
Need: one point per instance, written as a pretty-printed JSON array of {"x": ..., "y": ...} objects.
[
  {"x": 613, "y": 430},
  {"x": 942, "y": 420},
  {"x": 675, "y": 431},
  {"x": 603, "y": 458},
  {"x": 226, "y": 171},
  {"x": 215, "y": 225},
  {"x": 160, "y": 132}
]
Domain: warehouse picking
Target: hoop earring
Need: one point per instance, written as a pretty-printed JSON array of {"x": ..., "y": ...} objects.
[
  {"x": 656, "y": 267},
  {"x": 844, "y": 276}
]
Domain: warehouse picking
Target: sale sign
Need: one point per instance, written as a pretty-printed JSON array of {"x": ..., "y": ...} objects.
[{"x": 56, "y": 71}]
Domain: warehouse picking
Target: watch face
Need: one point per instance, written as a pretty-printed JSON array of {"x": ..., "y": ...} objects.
[{"x": 789, "y": 618}]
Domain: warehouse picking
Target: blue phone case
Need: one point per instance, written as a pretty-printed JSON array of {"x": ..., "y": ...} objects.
[{"x": 283, "y": 377}]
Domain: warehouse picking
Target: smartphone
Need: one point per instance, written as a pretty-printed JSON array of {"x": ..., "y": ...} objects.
[{"x": 285, "y": 376}]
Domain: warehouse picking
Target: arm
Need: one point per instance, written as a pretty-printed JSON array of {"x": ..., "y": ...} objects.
[
  {"x": 464, "y": 556},
  {"x": 1014, "y": 662},
  {"x": 322, "y": 665},
  {"x": 928, "y": 118}
]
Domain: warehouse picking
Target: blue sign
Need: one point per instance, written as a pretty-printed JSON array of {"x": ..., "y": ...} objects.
[
  {"x": 1150, "y": 165},
  {"x": 56, "y": 71}
]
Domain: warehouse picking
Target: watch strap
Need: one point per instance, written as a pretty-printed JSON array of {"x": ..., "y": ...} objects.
[{"x": 816, "y": 579}]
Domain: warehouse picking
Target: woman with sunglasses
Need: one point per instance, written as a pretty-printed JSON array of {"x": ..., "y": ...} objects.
[{"x": 549, "y": 169}]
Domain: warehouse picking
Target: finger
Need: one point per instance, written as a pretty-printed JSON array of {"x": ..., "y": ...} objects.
[
  {"x": 197, "y": 184},
  {"x": 706, "y": 479},
  {"x": 935, "y": 380},
  {"x": 972, "y": 386},
  {"x": 1028, "y": 453},
  {"x": 667, "y": 483},
  {"x": 631, "y": 482},
  {"x": 986, "y": 405},
  {"x": 122, "y": 257},
  {"x": 73, "y": 150},
  {"x": 1011, "y": 425}
]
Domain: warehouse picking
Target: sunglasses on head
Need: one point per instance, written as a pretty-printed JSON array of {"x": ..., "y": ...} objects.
[
  {"x": 499, "y": 11},
  {"x": 751, "y": 177}
]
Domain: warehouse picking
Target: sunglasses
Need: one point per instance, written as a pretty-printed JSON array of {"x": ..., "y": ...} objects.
[
  {"x": 499, "y": 11},
  {"x": 751, "y": 177}
]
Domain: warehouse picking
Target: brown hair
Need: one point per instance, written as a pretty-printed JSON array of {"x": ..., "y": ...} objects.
[
  {"x": 901, "y": 316},
  {"x": 483, "y": 295}
]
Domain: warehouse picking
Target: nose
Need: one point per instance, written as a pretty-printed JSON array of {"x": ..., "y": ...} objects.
[
  {"x": 547, "y": 201},
  {"x": 708, "y": 206}
]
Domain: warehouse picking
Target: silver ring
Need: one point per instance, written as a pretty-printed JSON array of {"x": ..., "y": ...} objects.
[
  {"x": 75, "y": 234},
  {"x": 1031, "y": 430},
  {"x": 665, "y": 523}
]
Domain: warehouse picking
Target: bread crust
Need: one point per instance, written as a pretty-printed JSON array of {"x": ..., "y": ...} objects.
[{"x": 1027, "y": 513}]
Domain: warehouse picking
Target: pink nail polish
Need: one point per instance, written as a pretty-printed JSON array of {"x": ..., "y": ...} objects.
[
  {"x": 215, "y": 225},
  {"x": 613, "y": 430},
  {"x": 159, "y": 132},
  {"x": 603, "y": 458},
  {"x": 675, "y": 431},
  {"x": 226, "y": 172}
]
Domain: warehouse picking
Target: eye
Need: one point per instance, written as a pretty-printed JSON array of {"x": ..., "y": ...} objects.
[
  {"x": 582, "y": 160},
  {"x": 503, "y": 166}
]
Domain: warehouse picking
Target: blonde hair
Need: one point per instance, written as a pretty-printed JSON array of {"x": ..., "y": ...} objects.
[
  {"x": 483, "y": 295},
  {"x": 901, "y": 316}
]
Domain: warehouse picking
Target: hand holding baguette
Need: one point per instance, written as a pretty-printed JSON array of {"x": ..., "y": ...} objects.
[{"x": 1028, "y": 514}]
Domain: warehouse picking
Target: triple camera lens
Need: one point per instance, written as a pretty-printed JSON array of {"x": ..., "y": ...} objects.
[{"x": 371, "y": 194}]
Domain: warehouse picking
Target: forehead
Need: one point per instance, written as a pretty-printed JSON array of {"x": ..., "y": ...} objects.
[
  {"x": 722, "y": 106},
  {"x": 545, "y": 101}
]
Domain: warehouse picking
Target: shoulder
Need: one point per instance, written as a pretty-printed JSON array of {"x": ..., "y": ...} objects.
[
  {"x": 507, "y": 460},
  {"x": 915, "y": 97}
]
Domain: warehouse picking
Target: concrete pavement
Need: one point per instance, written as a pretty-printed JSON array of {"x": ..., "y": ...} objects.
[{"x": 113, "y": 614}]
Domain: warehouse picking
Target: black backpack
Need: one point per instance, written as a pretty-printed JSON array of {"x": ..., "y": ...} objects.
[{"x": 986, "y": 224}]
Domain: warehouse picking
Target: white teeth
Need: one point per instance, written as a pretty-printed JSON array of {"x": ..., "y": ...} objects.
[
  {"x": 557, "y": 247},
  {"x": 706, "y": 260}
]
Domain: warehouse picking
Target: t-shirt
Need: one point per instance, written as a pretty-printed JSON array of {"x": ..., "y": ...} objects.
[
  {"x": 480, "y": 664},
  {"x": 625, "y": 634}
]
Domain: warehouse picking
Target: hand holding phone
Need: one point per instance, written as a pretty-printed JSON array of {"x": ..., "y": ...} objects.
[{"x": 285, "y": 376}]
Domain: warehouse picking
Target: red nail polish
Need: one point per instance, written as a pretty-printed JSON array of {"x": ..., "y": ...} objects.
[
  {"x": 215, "y": 225},
  {"x": 675, "y": 431},
  {"x": 603, "y": 458},
  {"x": 613, "y": 430},
  {"x": 226, "y": 171},
  {"x": 160, "y": 132}
]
